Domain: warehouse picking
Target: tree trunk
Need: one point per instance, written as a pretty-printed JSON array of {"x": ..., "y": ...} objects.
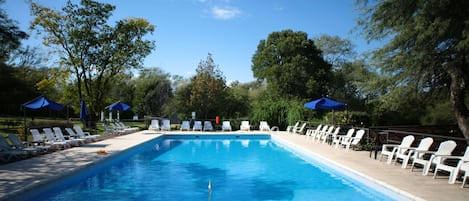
[{"x": 457, "y": 88}]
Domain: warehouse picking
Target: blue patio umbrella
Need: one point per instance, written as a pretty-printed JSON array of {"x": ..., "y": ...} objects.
[
  {"x": 325, "y": 104},
  {"x": 119, "y": 106},
  {"x": 40, "y": 102},
  {"x": 84, "y": 113}
]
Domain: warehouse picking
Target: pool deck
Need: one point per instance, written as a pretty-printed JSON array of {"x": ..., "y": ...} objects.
[{"x": 21, "y": 176}]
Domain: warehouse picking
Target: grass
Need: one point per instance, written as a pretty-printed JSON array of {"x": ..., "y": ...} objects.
[{"x": 16, "y": 125}]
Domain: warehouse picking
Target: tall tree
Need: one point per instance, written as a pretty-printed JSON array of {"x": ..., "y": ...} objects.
[
  {"x": 13, "y": 87},
  {"x": 95, "y": 53},
  {"x": 346, "y": 68},
  {"x": 10, "y": 35},
  {"x": 208, "y": 89},
  {"x": 292, "y": 65},
  {"x": 428, "y": 46},
  {"x": 152, "y": 91}
]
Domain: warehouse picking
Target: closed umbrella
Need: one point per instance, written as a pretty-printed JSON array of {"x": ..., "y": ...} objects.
[{"x": 84, "y": 113}]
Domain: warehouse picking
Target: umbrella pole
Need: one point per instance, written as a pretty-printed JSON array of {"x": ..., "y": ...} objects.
[
  {"x": 332, "y": 117},
  {"x": 24, "y": 125}
]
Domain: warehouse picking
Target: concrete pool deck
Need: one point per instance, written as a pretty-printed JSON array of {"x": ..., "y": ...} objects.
[{"x": 21, "y": 176}]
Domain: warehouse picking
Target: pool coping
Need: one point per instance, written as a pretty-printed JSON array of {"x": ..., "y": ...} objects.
[{"x": 23, "y": 176}]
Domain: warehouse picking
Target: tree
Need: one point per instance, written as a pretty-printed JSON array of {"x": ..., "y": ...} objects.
[
  {"x": 347, "y": 69},
  {"x": 335, "y": 50},
  {"x": 95, "y": 53},
  {"x": 428, "y": 46},
  {"x": 291, "y": 65},
  {"x": 10, "y": 35},
  {"x": 208, "y": 89},
  {"x": 152, "y": 91}
]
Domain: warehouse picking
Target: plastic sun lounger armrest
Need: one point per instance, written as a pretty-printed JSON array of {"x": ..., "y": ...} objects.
[
  {"x": 423, "y": 151},
  {"x": 450, "y": 157},
  {"x": 410, "y": 148},
  {"x": 447, "y": 156},
  {"x": 391, "y": 145}
]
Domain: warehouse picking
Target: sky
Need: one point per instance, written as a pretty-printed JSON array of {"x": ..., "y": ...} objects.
[{"x": 187, "y": 30}]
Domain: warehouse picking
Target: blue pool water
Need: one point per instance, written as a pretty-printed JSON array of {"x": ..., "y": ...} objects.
[{"x": 235, "y": 167}]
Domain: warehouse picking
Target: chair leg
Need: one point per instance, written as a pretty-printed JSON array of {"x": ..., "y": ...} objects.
[
  {"x": 405, "y": 161},
  {"x": 466, "y": 175}
]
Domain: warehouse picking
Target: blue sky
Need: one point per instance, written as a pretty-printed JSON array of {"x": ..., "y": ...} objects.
[{"x": 187, "y": 30}]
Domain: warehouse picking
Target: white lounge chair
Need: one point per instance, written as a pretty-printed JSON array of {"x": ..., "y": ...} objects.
[
  {"x": 300, "y": 130},
  {"x": 264, "y": 126},
  {"x": 331, "y": 135},
  {"x": 208, "y": 126},
  {"x": 86, "y": 135},
  {"x": 7, "y": 153},
  {"x": 462, "y": 165},
  {"x": 37, "y": 136},
  {"x": 197, "y": 126},
  {"x": 117, "y": 129},
  {"x": 389, "y": 150},
  {"x": 16, "y": 142},
  {"x": 128, "y": 128},
  {"x": 51, "y": 140},
  {"x": 226, "y": 126},
  {"x": 166, "y": 125},
  {"x": 353, "y": 141},
  {"x": 74, "y": 139},
  {"x": 338, "y": 138},
  {"x": 74, "y": 135},
  {"x": 20, "y": 149},
  {"x": 291, "y": 129},
  {"x": 444, "y": 149},
  {"x": 323, "y": 135},
  {"x": 154, "y": 125},
  {"x": 311, "y": 133},
  {"x": 413, "y": 152},
  {"x": 318, "y": 135},
  {"x": 185, "y": 126},
  {"x": 60, "y": 137},
  {"x": 245, "y": 126}
]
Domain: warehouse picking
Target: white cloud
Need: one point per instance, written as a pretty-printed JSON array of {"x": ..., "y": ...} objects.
[{"x": 225, "y": 13}]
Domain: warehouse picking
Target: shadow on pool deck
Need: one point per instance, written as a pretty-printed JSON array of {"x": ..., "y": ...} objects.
[{"x": 21, "y": 176}]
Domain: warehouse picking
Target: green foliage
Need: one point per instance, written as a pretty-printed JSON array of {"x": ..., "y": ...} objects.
[
  {"x": 292, "y": 65},
  {"x": 335, "y": 50},
  {"x": 96, "y": 54},
  {"x": 280, "y": 112},
  {"x": 428, "y": 47},
  {"x": 182, "y": 101},
  {"x": 10, "y": 35},
  {"x": 209, "y": 92},
  {"x": 438, "y": 114},
  {"x": 152, "y": 91}
]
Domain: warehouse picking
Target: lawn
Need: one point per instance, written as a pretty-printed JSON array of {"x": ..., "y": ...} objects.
[{"x": 16, "y": 125}]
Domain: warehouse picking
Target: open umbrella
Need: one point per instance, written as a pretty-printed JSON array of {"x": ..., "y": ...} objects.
[
  {"x": 40, "y": 102},
  {"x": 119, "y": 106},
  {"x": 325, "y": 104}
]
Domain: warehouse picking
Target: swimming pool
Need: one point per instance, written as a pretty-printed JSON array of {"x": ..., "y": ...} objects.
[{"x": 236, "y": 167}]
